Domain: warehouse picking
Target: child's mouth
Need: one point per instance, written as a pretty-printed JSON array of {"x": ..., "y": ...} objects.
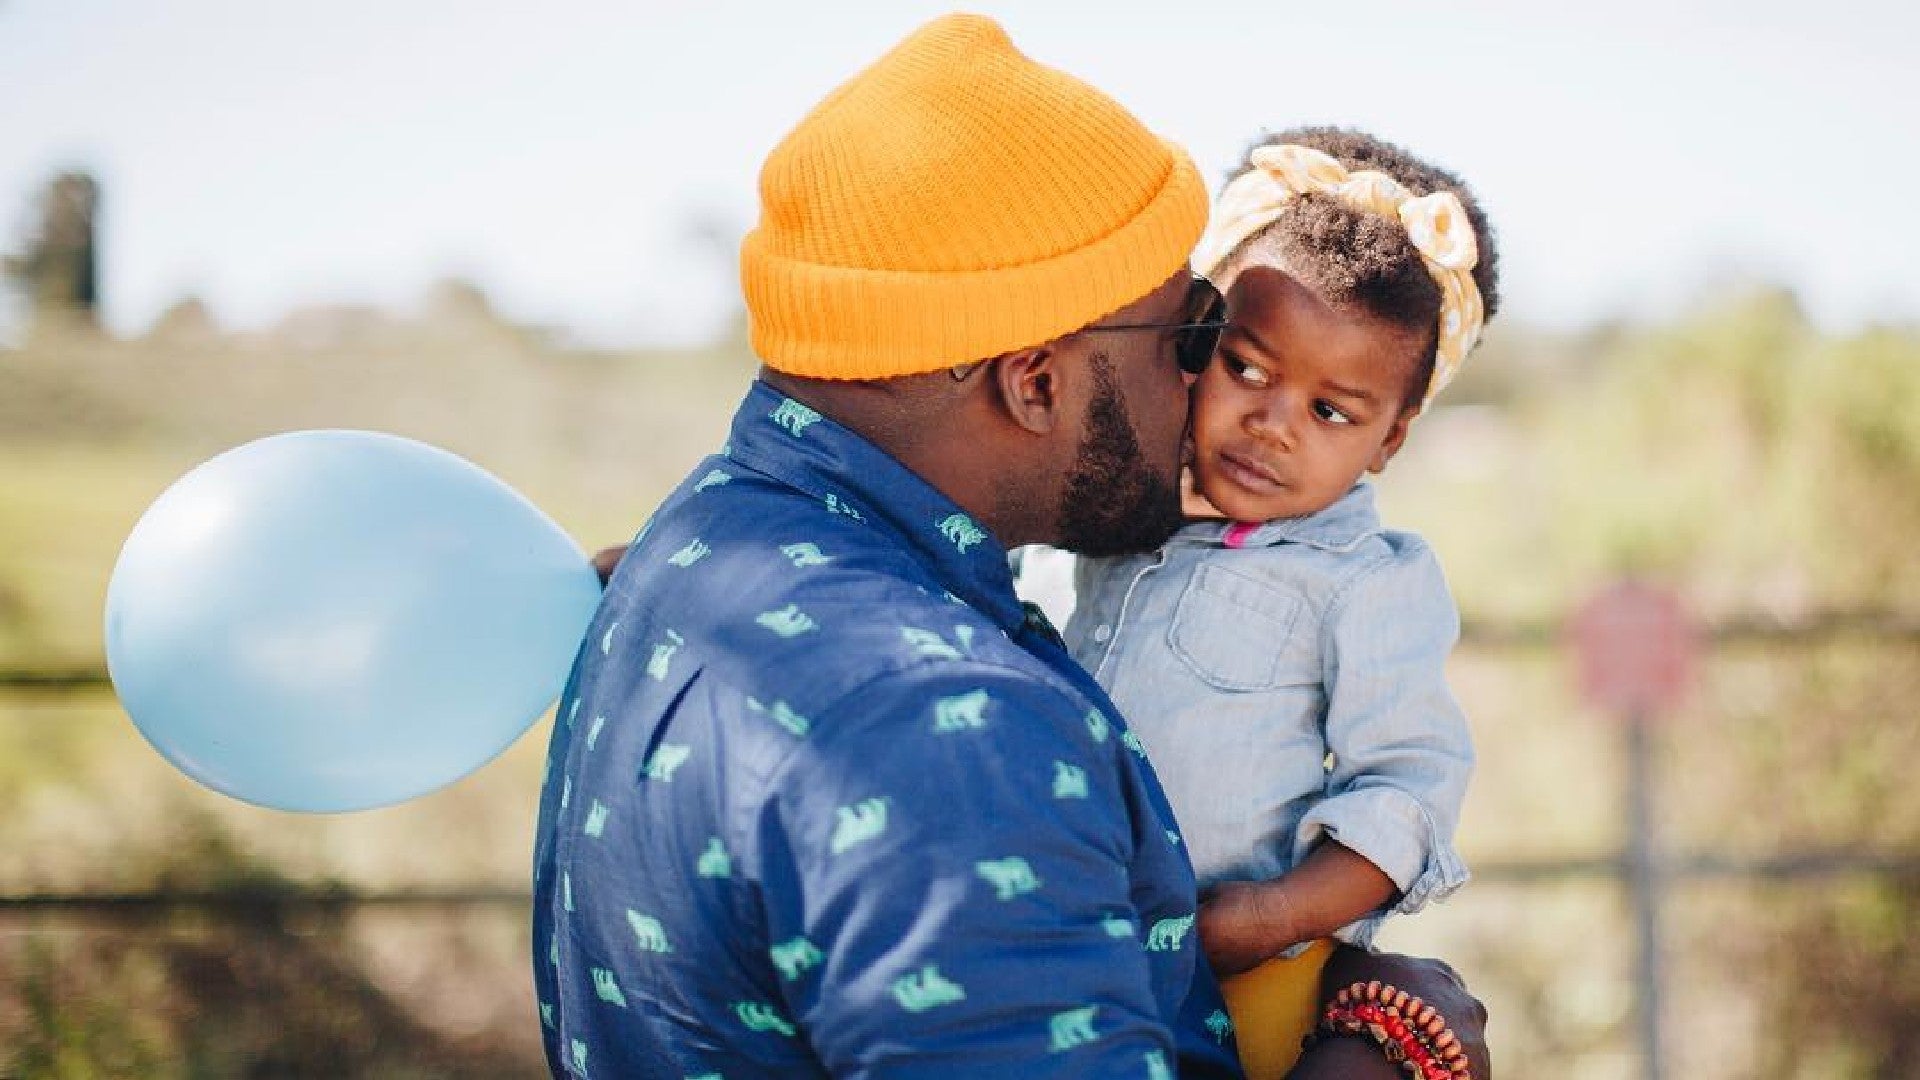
[{"x": 1249, "y": 474}]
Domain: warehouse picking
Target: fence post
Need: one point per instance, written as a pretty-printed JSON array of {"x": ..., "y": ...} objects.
[{"x": 1647, "y": 880}]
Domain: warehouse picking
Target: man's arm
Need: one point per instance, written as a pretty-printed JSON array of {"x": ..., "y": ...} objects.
[{"x": 945, "y": 908}]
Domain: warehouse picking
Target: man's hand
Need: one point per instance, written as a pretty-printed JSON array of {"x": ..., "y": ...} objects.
[
  {"x": 606, "y": 560},
  {"x": 1431, "y": 980}
]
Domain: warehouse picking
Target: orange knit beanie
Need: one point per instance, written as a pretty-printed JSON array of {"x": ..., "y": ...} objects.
[{"x": 953, "y": 202}]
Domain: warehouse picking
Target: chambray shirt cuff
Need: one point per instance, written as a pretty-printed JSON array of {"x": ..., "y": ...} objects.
[{"x": 1392, "y": 830}]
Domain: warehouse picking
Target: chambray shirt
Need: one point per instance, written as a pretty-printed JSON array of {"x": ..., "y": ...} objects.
[
  {"x": 1288, "y": 689},
  {"x": 824, "y": 800}
]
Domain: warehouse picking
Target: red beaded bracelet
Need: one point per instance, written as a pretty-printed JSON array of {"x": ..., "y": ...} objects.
[{"x": 1411, "y": 1033}]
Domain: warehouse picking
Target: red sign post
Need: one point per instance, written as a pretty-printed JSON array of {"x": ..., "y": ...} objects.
[{"x": 1636, "y": 649}]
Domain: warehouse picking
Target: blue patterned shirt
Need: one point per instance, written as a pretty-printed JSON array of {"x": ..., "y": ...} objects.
[{"x": 824, "y": 800}]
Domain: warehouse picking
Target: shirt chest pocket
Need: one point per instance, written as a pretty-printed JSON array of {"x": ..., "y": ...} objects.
[{"x": 1238, "y": 633}]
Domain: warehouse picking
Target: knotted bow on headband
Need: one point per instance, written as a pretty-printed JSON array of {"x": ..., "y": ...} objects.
[{"x": 1437, "y": 224}]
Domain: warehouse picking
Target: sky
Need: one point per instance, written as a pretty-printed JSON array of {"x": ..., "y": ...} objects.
[{"x": 588, "y": 162}]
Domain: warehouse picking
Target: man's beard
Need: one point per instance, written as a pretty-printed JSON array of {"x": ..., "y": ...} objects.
[{"x": 1114, "y": 503}]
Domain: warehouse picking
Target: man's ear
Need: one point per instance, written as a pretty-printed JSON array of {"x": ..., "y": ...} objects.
[
  {"x": 1396, "y": 437},
  {"x": 1027, "y": 384}
]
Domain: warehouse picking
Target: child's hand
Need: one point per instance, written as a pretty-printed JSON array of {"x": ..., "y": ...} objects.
[{"x": 1242, "y": 925}]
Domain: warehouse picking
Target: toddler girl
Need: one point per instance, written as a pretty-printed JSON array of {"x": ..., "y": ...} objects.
[{"x": 1281, "y": 657}]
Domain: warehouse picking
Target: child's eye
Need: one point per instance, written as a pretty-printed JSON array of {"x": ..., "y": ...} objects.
[
  {"x": 1324, "y": 410},
  {"x": 1245, "y": 372}
]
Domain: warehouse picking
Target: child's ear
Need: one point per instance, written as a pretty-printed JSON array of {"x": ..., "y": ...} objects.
[{"x": 1396, "y": 435}]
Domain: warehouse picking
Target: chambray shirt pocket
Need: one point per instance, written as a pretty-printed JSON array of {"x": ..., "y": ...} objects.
[{"x": 1235, "y": 632}]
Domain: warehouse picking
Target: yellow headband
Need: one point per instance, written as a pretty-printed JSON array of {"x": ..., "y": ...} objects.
[{"x": 1437, "y": 224}]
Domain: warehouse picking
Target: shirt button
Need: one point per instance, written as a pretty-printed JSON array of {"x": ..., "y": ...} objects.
[{"x": 1102, "y": 632}]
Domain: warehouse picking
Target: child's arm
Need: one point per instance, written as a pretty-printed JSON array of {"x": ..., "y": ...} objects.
[
  {"x": 1383, "y": 831},
  {"x": 1244, "y": 923}
]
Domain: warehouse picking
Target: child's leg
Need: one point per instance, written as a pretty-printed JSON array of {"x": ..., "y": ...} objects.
[{"x": 1274, "y": 1006}]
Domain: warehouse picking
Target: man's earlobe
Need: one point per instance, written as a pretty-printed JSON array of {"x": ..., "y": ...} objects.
[{"x": 1028, "y": 385}]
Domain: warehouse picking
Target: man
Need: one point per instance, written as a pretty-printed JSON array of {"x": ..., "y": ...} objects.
[{"x": 824, "y": 798}]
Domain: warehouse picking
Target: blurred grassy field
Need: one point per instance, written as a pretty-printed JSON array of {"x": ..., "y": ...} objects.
[{"x": 1764, "y": 468}]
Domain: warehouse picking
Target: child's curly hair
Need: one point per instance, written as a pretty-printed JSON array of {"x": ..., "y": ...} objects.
[{"x": 1353, "y": 257}]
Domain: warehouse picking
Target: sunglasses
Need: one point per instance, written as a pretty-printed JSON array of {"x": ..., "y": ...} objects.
[{"x": 1194, "y": 339}]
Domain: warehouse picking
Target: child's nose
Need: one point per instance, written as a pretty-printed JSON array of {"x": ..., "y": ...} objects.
[{"x": 1268, "y": 423}]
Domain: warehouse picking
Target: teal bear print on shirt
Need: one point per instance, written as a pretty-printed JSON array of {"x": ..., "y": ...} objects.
[
  {"x": 714, "y": 862},
  {"x": 1167, "y": 934},
  {"x": 663, "y": 656},
  {"x": 546, "y": 1015},
  {"x": 714, "y": 478},
  {"x": 961, "y": 532},
  {"x": 1069, "y": 781},
  {"x": 1157, "y": 1066},
  {"x": 793, "y": 416},
  {"x": 1010, "y": 876},
  {"x": 1117, "y": 927},
  {"x": 781, "y": 713},
  {"x": 566, "y": 890},
  {"x": 593, "y": 733},
  {"x": 929, "y": 644},
  {"x": 648, "y": 933},
  {"x": 1097, "y": 725},
  {"x": 1132, "y": 742},
  {"x": 573, "y": 712},
  {"x": 788, "y": 622},
  {"x": 1220, "y": 1025},
  {"x": 579, "y": 1058},
  {"x": 858, "y": 824},
  {"x": 717, "y": 1076},
  {"x": 962, "y": 712},
  {"x": 695, "y": 550},
  {"x": 596, "y": 819},
  {"x": 606, "y": 639},
  {"x": 566, "y": 791},
  {"x": 666, "y": 761},
  {"x": 1072, "y": 1028},
  {"x": 761, "y": 1017},
  {"x": 606, "y": 989},
  {"x": 795, "y": 958},
  {"x": 926, "y": 989},
  {"x": 805, "y": 555},
  {"x": 837, "y": 505}
]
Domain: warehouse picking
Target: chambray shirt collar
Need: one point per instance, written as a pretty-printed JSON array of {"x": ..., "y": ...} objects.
[
  {"x": 783, "y": 439},
  {"x": 1338, "y": 528}
]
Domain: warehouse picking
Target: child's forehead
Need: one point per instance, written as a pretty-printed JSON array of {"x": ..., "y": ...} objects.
[{"x": 1285, "y": 317}]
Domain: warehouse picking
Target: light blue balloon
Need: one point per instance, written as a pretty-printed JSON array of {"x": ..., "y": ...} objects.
[{"x": 337, "y": 620}]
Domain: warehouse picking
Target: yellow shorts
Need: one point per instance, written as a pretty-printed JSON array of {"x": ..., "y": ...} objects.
[{"x": 1274, "y": 1006}]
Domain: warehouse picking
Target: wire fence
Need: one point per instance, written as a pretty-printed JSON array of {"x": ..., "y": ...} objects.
[{"x": 253, "y": 902}]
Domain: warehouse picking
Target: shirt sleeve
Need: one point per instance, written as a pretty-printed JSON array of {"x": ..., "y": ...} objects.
[
  {"x": 1402, "y": 753},
  {"x": 944, "y": 869}
]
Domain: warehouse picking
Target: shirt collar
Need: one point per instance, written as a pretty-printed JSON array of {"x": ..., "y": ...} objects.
[
  {"x": 794, "y": 444},
  {"x": 1338, "y": 528}
]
